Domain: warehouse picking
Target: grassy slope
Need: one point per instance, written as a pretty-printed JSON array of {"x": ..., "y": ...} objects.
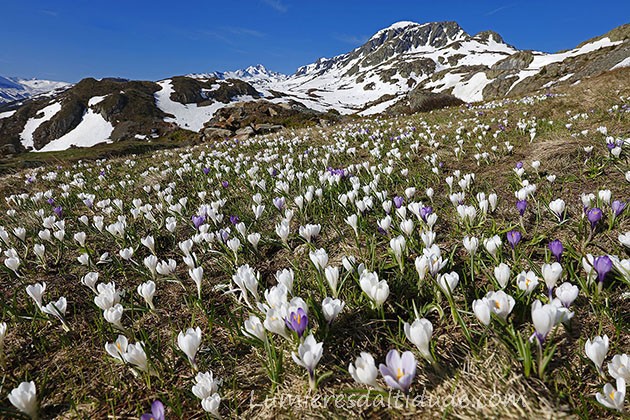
[{"x": 77, "y": 379}]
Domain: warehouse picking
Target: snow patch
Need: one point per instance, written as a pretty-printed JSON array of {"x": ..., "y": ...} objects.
[
  {"x": 95, "y": 100},
  {"x": 472, "y": 89},
  {"x": 624, "y": 63},
  {"x": 378, "y": 108},
  {"x": 93, "y": 129},
  {"x": 6, "y": 114},
  {"x": 26, "y": 137}
]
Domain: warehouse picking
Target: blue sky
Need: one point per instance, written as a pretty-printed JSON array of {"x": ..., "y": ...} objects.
[{"x": 69, "y": 40}]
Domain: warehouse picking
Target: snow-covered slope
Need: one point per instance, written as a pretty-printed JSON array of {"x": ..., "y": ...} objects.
[{"x": 15, "y": 89}]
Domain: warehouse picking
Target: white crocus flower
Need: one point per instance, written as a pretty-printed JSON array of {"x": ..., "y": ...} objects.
[
  {"x": 149, "y": 242},
  {"x": 551, "y": 274},
  {"x": 492, "y": 245},
  {"x": 544, "y": 318},
  {"x": 205, "y": 385},
  {"x": 502, "y": 274},
  {"x": 118, "y": 349},
  {"x": 331, "y": 308},
  {"x": 254, "y": 328},
  {"x": 398, "y": 246},
  {"x": 376, "y": 290},
  {"x": 557, "y": 207},
  {"x": 332, "y": 277},
  {"x": 567, "y": 293},
  {"x": 319, "y": 258},
  {"x": 286, "y": 277},
  {"x": 364, "y": 370},
  {"x": 36, "y": 292},
  {"x": 189, "y": 342},
  {"x": 527, "y": 281},
  {"x": 448, "y": 282},
  {"x": 114, "y": 314},
  {"x": 419, "y": 333},
  {"x": 308, "y": 356},
  {"x": 471, "y": 244},
  {"x": 90, "y": 280},
  {"x": 500, "y": 303},
  {"x": 596, "y": 350},
  {"x": 147, "y": 291},
  {"x": 211, "y": 405},
  {"x": 619, "y": 367},
  {"x": 481, "y": 309},
  {"x": 274, "y": 323},
  {"x": 611, "y": 397},
  {"x": 136, "y": 356},
  {"x": 196, "y": 274},
  {"x": 24, "y": 398}
]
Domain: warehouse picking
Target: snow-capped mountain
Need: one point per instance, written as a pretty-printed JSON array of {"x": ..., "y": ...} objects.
[
  {"x": 15, "y": 89},
  {"x": 440, "y": 57},
  {"x": 257, "y": 73}
]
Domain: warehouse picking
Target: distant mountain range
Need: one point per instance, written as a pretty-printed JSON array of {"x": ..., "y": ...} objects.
[
  {"x": 405, "y": 67},
  {"x": 15, "y": 89}
]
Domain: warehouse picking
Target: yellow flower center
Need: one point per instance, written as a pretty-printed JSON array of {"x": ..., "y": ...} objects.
[
  {"x": 497, "y": 304},
  {"x": 612, "y": 395},
  {"x": 399, "y": 374}
]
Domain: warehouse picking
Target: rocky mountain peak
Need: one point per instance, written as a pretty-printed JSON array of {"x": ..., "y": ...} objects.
[
  {"x": 411, "y": 34},
  {"x": 399, "y": 38},
  {"x": 486, "y": 36}
]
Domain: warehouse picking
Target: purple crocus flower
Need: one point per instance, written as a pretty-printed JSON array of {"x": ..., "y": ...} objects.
[
  {"x": 617, "y": 207},
  {"x": 224, "y": 235},
  {"x": 102, "y": 172},
  {"x": 225, "y": 184},
  {"x": 399, "y": 371},
  {"x": 279, "y": 203},
  {"x": 398, "y": 201},
  {"x": 602, "y": 266},
  {"x": 594, "y": 215},
  {"x": 206, "y": 171},
  {"x": 234, "y": 220},
  {"x": 297, "y": 321},
  {"x": 610, "y": 145},
  {"x": 556, "y": 249},
  {"x": 425, "y": 211},
  {"x": 514, "y": 237},
  {"x": 157, "y": 412},
  {"x": 58, "y": 211},
  {"x": 521, "y": 205},
  {"x": 51, "y": 201},
  {"x": 519, "y": 165},
  {"x": 198, "y": 220},
  {"x": 88, "y": 203}
]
